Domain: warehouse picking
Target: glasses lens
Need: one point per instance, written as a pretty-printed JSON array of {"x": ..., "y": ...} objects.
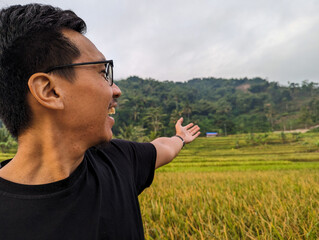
[{"x": 110, "y": 74}]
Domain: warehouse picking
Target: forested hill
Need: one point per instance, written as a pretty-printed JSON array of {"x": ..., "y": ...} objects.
[{"x": 150, "y": 108}]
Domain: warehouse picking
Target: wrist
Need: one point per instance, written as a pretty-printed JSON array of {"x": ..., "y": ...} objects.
[{"x": 180, "y": 139}]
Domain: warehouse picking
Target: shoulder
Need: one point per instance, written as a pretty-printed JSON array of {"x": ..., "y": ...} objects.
[
  {"x": 122, "y": 156},
  {"x": 122, "y": 148}
]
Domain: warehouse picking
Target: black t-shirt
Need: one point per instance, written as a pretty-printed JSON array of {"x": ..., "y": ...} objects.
[{"x": 97, "y": 201}]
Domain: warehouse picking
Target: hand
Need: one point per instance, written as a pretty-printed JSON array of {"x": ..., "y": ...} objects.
[{"x": 189, "y": 132}]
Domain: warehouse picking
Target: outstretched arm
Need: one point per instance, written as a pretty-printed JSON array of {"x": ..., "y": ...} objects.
[{"x": 168, "y": 148}]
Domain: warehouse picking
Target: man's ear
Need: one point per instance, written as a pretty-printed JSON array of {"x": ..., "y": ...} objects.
[{"x": 43, "y": 88}]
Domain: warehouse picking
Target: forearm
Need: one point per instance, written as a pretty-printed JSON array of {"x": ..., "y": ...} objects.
[{"x": 167, "y": 149}]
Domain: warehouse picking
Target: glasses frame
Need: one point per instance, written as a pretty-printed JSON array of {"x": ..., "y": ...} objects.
[{"x": 107, "y": 62}]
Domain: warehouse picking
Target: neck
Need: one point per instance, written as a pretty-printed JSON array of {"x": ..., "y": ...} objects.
[{"x": 43, "y": 158}]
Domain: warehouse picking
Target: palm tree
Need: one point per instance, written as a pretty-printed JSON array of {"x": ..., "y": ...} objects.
[{"x": 153, "y": 118}]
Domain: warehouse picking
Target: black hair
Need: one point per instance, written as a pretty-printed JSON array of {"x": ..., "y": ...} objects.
[{"x": 31, "y": 41}]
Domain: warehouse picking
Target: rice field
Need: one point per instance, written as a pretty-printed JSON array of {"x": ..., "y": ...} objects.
[
  {"x": 233, "y": 205},
  {"x": 245, "y": 152},
  {"x": 236, "y": 188}
]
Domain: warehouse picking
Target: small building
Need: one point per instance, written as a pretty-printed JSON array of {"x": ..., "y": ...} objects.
[{"x": 211, "y": 134}]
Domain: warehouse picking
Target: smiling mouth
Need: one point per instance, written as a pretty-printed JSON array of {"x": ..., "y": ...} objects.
[{"x": 111, "y": 111}]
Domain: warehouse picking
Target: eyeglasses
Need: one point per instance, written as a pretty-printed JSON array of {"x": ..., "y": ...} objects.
[{"x": 108, "y": 68}]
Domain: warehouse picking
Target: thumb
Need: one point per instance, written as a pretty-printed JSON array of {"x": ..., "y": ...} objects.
[{"x": 179, "y": 121}]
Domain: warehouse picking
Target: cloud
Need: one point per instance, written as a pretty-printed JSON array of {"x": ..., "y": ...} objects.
[{"x": 181, "y": 39}]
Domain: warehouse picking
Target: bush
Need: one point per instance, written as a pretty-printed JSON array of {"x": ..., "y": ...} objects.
[{"x": 6, "y": 140}]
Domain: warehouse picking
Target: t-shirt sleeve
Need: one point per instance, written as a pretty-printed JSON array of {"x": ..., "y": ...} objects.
[{"x": 142, "y": 158}]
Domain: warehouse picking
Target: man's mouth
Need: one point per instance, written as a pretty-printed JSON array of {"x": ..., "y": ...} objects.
[{"x": 111, "y": 110}]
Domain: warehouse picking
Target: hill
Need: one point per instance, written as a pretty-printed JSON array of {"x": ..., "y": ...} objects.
[{"x": 150, "y": 108}]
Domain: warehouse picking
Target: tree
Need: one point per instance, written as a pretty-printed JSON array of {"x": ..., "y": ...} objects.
[
  {"x": 156, "y": 105},
  {"x": 305, "y": 116},
  {"x": 153, "y": 119},
  {"x": 187, "y": 110},
  {"x": 270, "y": 114}
]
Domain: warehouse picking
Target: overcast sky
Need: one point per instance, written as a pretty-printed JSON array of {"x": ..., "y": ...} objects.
[{"x": 182, "y": 39}]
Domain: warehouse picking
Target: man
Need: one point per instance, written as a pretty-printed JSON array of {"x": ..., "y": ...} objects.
[{"x": 56, "y": 97}]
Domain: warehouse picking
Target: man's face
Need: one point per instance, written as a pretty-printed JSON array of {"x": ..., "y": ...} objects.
[{"x": 89, "y": 98}]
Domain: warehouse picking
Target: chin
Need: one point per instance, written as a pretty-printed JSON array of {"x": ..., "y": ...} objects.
[
  {"x": 100, "y": 138},
  {"x": 108, "y": 136},
  {"x": 102, "y": 142}
]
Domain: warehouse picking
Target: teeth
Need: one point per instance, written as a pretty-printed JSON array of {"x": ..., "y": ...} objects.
[{"x": 111, "y": 110}]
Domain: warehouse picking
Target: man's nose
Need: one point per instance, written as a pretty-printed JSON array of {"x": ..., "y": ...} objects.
[{"x": 116, "y": 91}]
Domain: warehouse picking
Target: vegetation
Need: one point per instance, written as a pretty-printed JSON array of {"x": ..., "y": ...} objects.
[
  {"x": 270, "y": 151},
  {"x": 232, "y": 205},
  {"x": 7, "y": 142},
  {"x": 227, "y": 106},
  {"x": 237, "y": 187}
]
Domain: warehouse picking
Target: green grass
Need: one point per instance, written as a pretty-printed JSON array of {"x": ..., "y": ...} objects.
[{"x": 236, "y": 153}]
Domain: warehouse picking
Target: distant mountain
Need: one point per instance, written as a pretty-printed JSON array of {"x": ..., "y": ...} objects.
[{"x": 216, "y": 104}]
